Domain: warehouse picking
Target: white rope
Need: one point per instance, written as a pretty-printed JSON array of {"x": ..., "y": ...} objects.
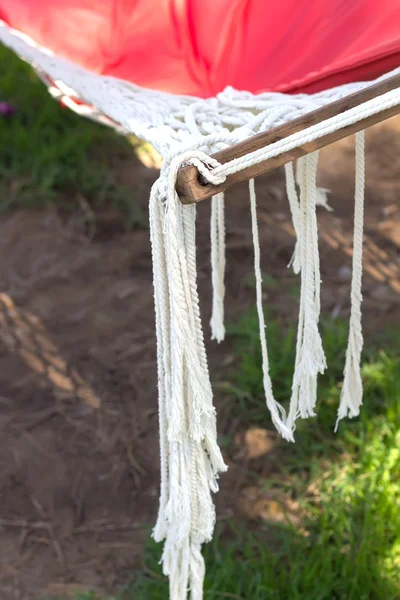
[
  {"x": 351, "y": 395},
  {"x": 278, "y": 414},
  {"x": 310, "y": 358},
  {"x": 162, "y": 313},
  {"x": 217, "y": 235},
  {"x": 321, "y": 199},
  {"x": 190, "y": 457}
]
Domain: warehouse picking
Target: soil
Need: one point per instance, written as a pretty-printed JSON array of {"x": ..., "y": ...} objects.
[{"x": 78, "y": 401}]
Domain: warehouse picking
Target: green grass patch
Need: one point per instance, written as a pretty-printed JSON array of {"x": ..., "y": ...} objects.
[{"x": 49, "y": 154}]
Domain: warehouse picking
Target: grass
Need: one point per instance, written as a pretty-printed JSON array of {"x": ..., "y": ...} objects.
[
  {"x": 348, "y": 545},
  {"x": 49, "y": 154}
]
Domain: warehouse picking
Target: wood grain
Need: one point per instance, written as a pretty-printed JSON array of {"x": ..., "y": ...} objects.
[{"x": 190, "y": 189}]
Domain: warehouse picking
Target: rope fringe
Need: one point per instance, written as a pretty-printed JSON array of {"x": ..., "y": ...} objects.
[
  {"x": 310, "y": 358},
  {"x": 321, "y": 199},
  {"x": 351, "y": 395},
  {"x": 190, "y": 457}
]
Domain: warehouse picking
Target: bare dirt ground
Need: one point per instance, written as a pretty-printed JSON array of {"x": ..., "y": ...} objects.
[{"x": 78, "y": 414}]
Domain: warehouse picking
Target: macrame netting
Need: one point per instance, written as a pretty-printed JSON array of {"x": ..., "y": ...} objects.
[{"x": 186, "y": 130}]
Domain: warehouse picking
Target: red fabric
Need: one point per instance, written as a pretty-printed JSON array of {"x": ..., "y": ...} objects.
[{"x": 200, "y": 46}]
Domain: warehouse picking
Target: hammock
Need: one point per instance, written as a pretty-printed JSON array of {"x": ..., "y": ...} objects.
[{"x": 198, "y": 79}]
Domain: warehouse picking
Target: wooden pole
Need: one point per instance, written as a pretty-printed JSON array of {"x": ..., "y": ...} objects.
[{"x": 190, "y": 188}]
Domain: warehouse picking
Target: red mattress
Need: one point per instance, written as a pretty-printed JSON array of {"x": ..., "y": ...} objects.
[{"x": 201, "y": 46}]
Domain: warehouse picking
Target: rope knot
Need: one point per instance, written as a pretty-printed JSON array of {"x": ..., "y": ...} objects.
[
  {"x": 164, "y": 187},
  {"x": 204, "y": 163}
]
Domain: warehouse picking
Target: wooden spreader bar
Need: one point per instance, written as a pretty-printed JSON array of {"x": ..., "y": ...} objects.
[{"x": 191, "y": 189}]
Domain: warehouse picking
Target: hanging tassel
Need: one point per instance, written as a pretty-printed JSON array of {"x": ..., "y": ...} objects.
[
  {"x": 217, "y": 231},
  {"x": 190, "y": 457},
  {"x": 310, "y": 358},
  {"x": 277, "y": 412},
  {"x": 351, "y": 395},
  {"x": 321, "y": 199}
]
